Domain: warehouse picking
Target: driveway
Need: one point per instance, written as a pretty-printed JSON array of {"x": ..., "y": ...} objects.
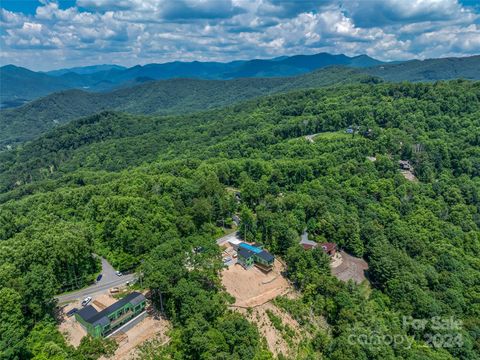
[
  {"x": 109, "y": 279},
  {"x": 225, "y": 238},
  {"x": 108, "y": 273},
  {"x": 350, "y": 268}
]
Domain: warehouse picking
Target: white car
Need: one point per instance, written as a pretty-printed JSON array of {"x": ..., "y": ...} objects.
[
  {"x": 119, "y": 273},
  {"x": 86, "y": 300}
]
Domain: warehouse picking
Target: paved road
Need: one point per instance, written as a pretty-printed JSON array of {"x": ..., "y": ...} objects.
[
  {"x": 109, "y": 279},
  {"x": 109, "y": 274},
  {"x": 304, "y": 239}
]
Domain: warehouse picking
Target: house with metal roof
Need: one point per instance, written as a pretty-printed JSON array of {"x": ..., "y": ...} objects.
[
  {"x": 249, "y": 255},
  {"x": 101, "y": 323},
  {"x": 329, "y": 248},
  {"x": 306, "y": 243},
  {"x": 245, "y": 257}
]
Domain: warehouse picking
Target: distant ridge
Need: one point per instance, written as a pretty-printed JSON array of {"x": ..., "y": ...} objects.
[
  {"x": 171, "y": 96},
  {"x": 16, "y": 84},
  {"x": 83, "y": 70},
  {"x": 143, "y": 95},
  {"x": 429, "y": 69}
]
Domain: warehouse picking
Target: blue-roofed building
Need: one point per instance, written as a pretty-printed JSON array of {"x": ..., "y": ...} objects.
[
  {"x": 255, "y": 249},
  {"x": 249, "y": 255}
]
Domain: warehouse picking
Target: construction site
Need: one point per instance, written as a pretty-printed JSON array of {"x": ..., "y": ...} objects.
[
  {"x": 251, "y": 274},
  {"x": 255, "y": 282},
  {"x": 143, "y": 326}
]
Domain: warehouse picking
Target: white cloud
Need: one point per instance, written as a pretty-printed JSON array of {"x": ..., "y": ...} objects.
[{"x": 142, "y": 31}]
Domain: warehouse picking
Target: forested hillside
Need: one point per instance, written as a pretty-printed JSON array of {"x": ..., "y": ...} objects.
[
  {"x": 18, "y": 83},
  {"x": 175, "y": 96},
  {"x": 141, "y": 95},
  {"x": 429, "y": 69},
  {"x": 146, "y": 191}
]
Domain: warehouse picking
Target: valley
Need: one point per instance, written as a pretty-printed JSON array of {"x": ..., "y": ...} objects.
[
  {"x": 151, "y": 193},
  {"x": 239, "y": 180}
]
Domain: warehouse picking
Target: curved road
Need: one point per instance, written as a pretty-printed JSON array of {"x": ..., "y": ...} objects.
[{"x": 109, "y": 279}]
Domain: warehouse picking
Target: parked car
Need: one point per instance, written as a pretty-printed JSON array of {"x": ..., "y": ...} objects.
[
  {"x": 119, "y": 273},
  {"x": 114, "y": 290},
  {"x": 71, "y": 312},
  {"x": 99, "y": 277},
  {"x": 86, "y": 301}
]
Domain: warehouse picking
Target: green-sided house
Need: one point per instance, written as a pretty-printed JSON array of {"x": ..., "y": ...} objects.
[
  {"x": 245, "y": 257},
  {"x": 100, "y": 324},
  {"x": 249, "y": 255}
]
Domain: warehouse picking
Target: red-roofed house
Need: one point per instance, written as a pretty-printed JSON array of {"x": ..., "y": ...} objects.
[{"x": 329, "y": 248}]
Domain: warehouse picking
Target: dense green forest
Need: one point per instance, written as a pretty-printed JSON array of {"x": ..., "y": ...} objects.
[
  {"x": 429, "y": 69},
  {"x": 179, "y": 96},
  {"x": 148, "y": 191}
]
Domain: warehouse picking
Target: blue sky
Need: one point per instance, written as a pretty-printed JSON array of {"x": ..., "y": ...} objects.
[{"x": 46, "y": 34}]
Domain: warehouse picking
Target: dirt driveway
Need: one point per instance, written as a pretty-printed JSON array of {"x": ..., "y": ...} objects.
[{"x": 350, "y": 268}]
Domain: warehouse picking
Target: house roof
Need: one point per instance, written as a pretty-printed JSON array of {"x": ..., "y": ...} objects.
[
  {"x": 308, "y": 242},
  {"x": 328, "y": 246},
  {"x": 87, "y": 312},
  {"x": 265, "y": 255},
  {"x": 245, "y": 253},
  {"x": 234, "y": 241},
  {"x": 101, "y": 318},
  {"x": 252, "y": 248}
]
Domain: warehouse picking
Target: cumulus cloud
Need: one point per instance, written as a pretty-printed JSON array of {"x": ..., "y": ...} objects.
[
  {"x": 140, "y": 31},
  {"x": 388, "y": 12}
]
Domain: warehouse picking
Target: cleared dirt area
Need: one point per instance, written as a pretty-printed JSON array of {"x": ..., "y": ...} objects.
[
  {"x": 253, "y": 287},
  {"x": 276, "y": 339},
  {"x": 348, "y": 267},
  {"x": 103, "y": 301},
  {"x": 408, "y": 175},
  {"x": 72, "y": 330},
  {"x": 148, "y": 329}
]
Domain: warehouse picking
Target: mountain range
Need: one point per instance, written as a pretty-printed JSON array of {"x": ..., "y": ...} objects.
[
  {"x": 137, "y": 93},
  {"x": 162, "y": 97},
  {"x": 20, "y": 85}
]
